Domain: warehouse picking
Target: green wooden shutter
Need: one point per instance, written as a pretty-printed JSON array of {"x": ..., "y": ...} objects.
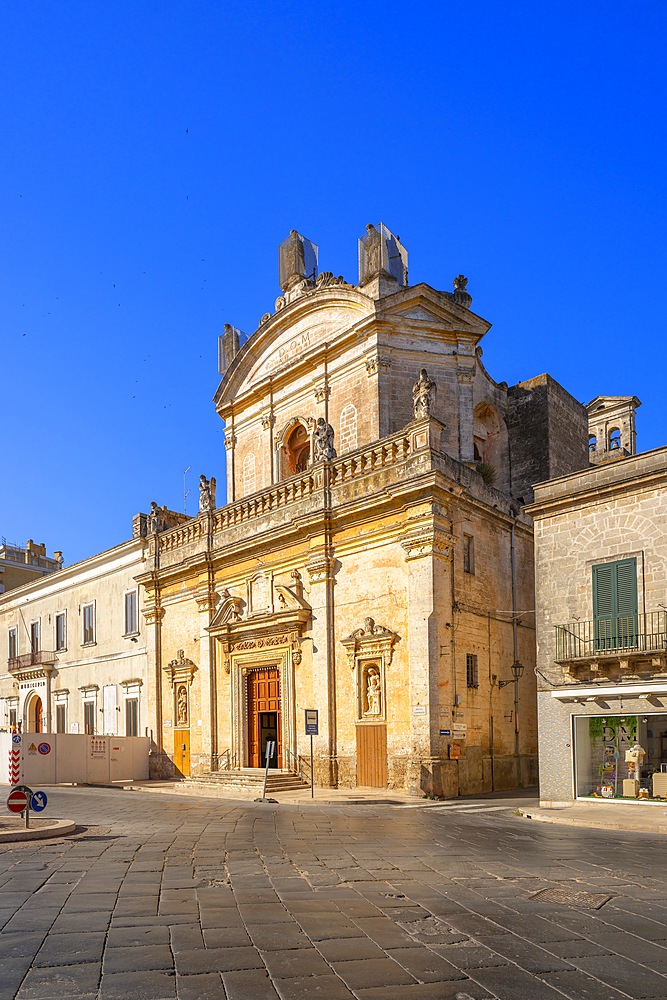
[{"x": 615, "y": 604}]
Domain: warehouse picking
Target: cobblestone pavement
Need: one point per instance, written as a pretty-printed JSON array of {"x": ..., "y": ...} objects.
[{"x": 162, "y": 896}]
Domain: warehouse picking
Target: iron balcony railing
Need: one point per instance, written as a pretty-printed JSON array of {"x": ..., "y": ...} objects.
[
  {"x": 42, "y": 658},
  {"x": 615, "y": 636}
]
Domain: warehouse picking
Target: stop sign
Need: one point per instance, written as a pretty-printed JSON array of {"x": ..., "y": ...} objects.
[{"x": 17, "y": 801}]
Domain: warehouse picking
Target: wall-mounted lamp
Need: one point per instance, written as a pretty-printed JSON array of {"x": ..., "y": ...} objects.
[{"x": 517, "y": 672}]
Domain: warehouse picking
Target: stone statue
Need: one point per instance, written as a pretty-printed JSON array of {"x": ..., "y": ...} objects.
[
  {"x": 423, "y": 395},
  {"x": 373, "y": 248},
  {"x": 323, "y": 441},
  {"x": 154, "y": 519},
  {"x": 294, "y": 259},
  {"x": 182, "y": 706},
  {"x": 206, "y": 493},
  {"x": 373, "y": 691}
]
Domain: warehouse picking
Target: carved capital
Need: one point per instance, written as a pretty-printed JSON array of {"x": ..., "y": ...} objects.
[
  {"x": 377, "y": 363},
  {"x": 268, "y": 420},
  {"x": 322, "y": 393},
  {"x": 230, "y": 441},
  {"x": 320, "y": 568},
  {"x": 153, "y": 614},
  {"x": 205, "y": 601},
  {"x": 465, "y": 376},
  {"x": 427, "y": 541}
]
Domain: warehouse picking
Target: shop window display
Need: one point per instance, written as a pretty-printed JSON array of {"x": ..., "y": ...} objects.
[{"x": 621, "y": 757}]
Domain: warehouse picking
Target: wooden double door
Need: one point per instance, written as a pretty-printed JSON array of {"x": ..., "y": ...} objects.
[{"x": 264, "y": 721}]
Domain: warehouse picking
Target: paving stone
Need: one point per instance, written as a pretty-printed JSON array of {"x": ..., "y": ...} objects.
[
  {"x": 372, "y": 972},
  {"x": 322, "y": 987},
  {"x": 425, "y": 965},
  {"x": 206, "y": 986},
  {"x": 70, "y": 949},
  {"x": 384, "y": 932},
  {"x": 226, "y": 937},
  {"x": 251, "y": 985},
  {"x": 132, "y": 937},
  {"x": 525, "y": 954},
  {"x": 269, "y": 938},
  {"x": 577, "y": 948},
  {"x": 185, "y": 937},
  {"x": 16, "y": 945},
  {"x": 619, "y": 973},
  {"x": 459, "y": 990},
  {"x": 138, "y": 986},
  {"x": 138, "y": 958},
  {"x": 59, "y": 981},
  {"x": 217, "y": 960},
  {"x": 472, "y": 956},
  {"x": 509, "y": 981},
  {"x": 264, "y": 913},
  {"x": 579, "y": 986},
  {"x": 349, "y": 949},
  {"x": 70, "y": 923},
  {"x": 295, "y": 962}
]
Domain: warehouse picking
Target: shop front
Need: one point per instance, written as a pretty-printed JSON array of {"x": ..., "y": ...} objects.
[{"x": 621, "y": 756}]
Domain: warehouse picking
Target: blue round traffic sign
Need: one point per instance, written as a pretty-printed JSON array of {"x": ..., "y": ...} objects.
[
  {"x": 38, "y": 801},
  {"x": 16, "y": 738}
]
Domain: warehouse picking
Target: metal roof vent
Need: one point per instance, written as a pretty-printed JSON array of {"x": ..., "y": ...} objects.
[
  {"x": 297, "y": 260},
  {"x": 382, "y": 252}
]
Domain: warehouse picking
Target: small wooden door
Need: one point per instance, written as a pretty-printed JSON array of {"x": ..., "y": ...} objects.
[
  {"x": 39, "y": 716},
  {"x": 372, "y": 756},
  {"x": 264, "y": 716},
  {"x": 182, "y": 751}
]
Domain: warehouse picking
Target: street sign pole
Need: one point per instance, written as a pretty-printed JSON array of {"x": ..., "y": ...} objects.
[
  {"x": 312, "y": 729},
  {"x": 270, "y": 747}
]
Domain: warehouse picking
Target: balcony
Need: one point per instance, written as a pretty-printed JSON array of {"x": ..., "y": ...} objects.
[
  {"x": 43, "y": 659},
  {"x": 617, "y": 640}
]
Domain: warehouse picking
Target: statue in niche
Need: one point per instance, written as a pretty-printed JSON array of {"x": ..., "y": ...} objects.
[
  {"x": 323, "y": 441},
  {"x": 423, "y": 395},
  {"x": 206, "y": 493},
  {"x": 373, "y": 692},
  {"x": 182, "y": 706},
  {"x": 373, "y": 247}
]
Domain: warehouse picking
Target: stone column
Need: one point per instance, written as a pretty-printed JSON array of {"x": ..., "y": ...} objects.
[
  {"x": 465, "y": 376},
  {"x": 230, "y": 443},
  {"x": 428, "y": 552},
  {"x": 153, "y": 613},
  {"x": 207, "y": 677},
  {"x": 378, "y": 368},
  {"x": 321, "y": 576}
]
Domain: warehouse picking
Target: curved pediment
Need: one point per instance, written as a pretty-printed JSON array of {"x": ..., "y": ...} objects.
[{"x": 290, "y": 336}]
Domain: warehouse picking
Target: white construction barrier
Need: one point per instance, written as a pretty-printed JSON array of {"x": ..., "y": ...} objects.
[{"x": 53, "y": 758}]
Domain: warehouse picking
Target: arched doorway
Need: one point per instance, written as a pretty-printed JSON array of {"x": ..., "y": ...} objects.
[
  {"x": 296, "y": 450},
  {"x": 35, "y": 715}
]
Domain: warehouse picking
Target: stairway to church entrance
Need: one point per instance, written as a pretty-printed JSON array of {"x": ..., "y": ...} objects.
[{"x": 263, "y": 716}]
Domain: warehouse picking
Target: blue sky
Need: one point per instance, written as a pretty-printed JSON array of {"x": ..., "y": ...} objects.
[{"x": 155, "y": 154}]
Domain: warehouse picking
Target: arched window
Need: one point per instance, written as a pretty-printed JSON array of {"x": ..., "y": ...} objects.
[
  {"x": 297, "y": 450},
  {"x": 249, "y": 482},
  {"x": 592, "y": 443},
  {"x": 348, "y": 428},
  {"x": 614, "y": 438}
]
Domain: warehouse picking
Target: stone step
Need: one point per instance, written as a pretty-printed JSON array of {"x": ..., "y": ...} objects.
[{"x": 249, "y": 779}]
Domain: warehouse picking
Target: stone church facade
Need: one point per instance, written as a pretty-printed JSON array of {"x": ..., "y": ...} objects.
[{"x": 372, "y": 560}]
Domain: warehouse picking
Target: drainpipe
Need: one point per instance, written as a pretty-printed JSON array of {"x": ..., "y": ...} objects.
[{"x": 515, "y": 642}]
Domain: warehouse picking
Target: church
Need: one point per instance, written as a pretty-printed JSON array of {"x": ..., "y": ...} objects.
[{"x": 371, "y": 561}]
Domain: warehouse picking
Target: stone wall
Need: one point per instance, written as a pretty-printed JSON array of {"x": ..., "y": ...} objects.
[{"x": 548, "y": 433}]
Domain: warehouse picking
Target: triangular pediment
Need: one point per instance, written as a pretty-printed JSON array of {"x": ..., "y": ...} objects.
[{"x": 426, "y": 307}]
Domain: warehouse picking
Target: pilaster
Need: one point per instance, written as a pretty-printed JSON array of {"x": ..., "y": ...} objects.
[{"x": 320, "y": 568}]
